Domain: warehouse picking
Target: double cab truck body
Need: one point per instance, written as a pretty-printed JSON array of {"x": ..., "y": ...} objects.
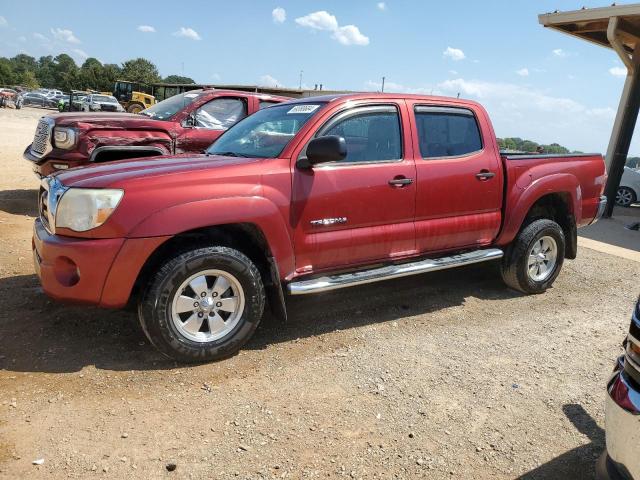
[
  {"x": 185, "y": 123},
  {"x": 304, "y": 197}
]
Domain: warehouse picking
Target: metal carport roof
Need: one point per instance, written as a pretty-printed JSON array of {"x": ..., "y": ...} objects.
[{"x": 616, "y": 27}]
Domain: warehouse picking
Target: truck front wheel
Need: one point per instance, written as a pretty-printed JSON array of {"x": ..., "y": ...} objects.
[
  {"x": 202, "y": 305},
  {"x": 534, "y": 259}
]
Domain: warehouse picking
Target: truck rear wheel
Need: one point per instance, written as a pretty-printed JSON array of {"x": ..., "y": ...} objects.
[
  {"x": 534, "y": 259},
  {"x": 202, "y": 305}
]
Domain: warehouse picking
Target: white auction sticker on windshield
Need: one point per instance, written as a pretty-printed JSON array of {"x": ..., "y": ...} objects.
[
  {"x": 303, "y": 109},
  {"x": 190, "y": 95}
]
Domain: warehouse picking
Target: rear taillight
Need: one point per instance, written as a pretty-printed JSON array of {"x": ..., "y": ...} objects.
[{"x": 633, "y": 352}]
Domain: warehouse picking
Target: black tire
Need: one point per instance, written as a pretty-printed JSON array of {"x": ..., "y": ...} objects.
[
  {"x": 155, "y": 305},
  {"x": 515, "y": 268},
  {"x": 625, "y": 197},
  {"x": 135, "y": 108}
]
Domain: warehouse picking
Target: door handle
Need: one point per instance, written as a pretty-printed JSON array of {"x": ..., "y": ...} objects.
[
  {"x": 400, "y": 181},
  {"x": 485, "y": 175}
]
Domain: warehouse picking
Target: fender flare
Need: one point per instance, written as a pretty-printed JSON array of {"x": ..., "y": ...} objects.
[
  {"x": 520, "y": 204},
  {"x": 213, "y": 212}
]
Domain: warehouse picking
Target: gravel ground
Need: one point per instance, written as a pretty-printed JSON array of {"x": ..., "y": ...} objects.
[{"x": 448, "y": 375}]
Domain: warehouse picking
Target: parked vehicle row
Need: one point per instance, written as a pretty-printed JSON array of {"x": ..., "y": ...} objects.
[
  {"x": 629, "y": 189},
  {"x": 301, "y": 197}
]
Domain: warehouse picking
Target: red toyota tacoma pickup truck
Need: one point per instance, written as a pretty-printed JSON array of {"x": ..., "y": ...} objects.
[
  {"x": 185, "y": 123},
  {"x": 303, "y": 197}
]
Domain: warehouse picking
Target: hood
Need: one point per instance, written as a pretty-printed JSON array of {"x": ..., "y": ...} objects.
[
  {"x": 117, "y": 174},
  {"x": 104, "y": 120}
]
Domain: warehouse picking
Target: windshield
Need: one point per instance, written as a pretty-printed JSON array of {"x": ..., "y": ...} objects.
[
  {"x": 265, "y": 133},
  {"x": 169, "y": 107},
  {"x": 104, "y": 98}
]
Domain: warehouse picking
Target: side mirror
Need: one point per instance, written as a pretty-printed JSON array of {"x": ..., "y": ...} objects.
[{"x": 331, "y": 148}]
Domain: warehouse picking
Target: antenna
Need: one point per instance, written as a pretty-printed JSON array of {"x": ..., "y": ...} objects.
[
  {"x": 382, "y": 89},
  {"x": 300, "y": 84}
]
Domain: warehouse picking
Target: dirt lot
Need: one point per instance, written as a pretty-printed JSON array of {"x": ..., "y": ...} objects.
[{"x": 447, "y": 375}]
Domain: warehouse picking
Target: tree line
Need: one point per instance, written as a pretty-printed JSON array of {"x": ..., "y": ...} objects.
[
  {"x": 520, "y": 145},
  {"x": 62, "y": 72}
]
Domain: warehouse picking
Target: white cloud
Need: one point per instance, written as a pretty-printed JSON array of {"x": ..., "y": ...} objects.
[
  {"x": 323, "y": 20},
  {"x": 522, "y": 111},
  {"x": 3, "y": 21},
  {"x": 278, "y": 15},
  {"x": 350, "y": 35},
  {"x": 146, "y": 29},
  {"x": 41, "y": 37},
  {"x": 453, "y": 72},
  {"x": 558, "y": 52},
  {"x": 381, "y": 6},
  {"x": 215, "y": 76},
  {"x": 526, "y": 112},
  {"x": 454, "y": 54},
  {"x": 187, "y": 32},
  {"x": 397, "y": 88},
  {"x": 618, "y": 71},
  {"x": 22, "y": 38},
  {"x": 523, "y": 72},
  {"x": 268, "y": 81},
  {"x": 64, "y": 35},
  {"x": 80, "y": 53}
]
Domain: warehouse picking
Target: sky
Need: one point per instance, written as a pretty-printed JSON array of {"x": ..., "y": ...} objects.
[{"x": 536, "y": 83}]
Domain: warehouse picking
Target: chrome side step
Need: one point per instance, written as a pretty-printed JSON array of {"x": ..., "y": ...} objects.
[{"x": 333, "y": 282}]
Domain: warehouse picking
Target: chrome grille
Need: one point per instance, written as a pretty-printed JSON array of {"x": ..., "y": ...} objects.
[
  {"x": 41, "y": 144},
  {"x": 51, "y": 191},
  {"x": 43, "y": 207}
]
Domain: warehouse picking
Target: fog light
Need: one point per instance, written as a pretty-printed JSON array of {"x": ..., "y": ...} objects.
[
  {"x": 60, "y": 166},
  {"x": 66, "y": 271}
]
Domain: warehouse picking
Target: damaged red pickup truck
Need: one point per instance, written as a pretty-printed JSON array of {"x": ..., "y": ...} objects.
[
  {"x": 304, "y": 197},
  {"x": 185, "y": 123}
]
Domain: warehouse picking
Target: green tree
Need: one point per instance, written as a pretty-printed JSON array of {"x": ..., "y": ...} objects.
[
  {"x": 140, "y": 70},
  {"x": 29, "y": 80},
  {"x": 528, "y": 146},
  {"x": 178, "y": 79},
  {"x": 110, "y": 73},
  {"x": 65, "y": 73},
  {"x": 45, "y": 72},
  {"x": 7, "y": 76},
  {"x": 24, "y": 63},
  {"x": 91, "y": 73}
]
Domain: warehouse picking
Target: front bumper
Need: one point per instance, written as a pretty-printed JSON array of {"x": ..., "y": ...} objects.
[
  {"x": 72, "y": 269},
  {"x": 91, "y": 271},
  {"x": 622, "y": 417},
  {"x": 46, "y": 166}
]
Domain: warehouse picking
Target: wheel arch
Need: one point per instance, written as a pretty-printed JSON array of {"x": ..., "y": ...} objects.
[
  {"x": 248, "y": 238},
  {"x": 556, "y": 197}
]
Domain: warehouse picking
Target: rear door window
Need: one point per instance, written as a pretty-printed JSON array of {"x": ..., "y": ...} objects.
[
  {"x": 447, "y": 132},
  {"x": 221, "y": 113}
]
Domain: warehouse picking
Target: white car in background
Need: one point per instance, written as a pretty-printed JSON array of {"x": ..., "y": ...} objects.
[{"x": 629, "y": 189}]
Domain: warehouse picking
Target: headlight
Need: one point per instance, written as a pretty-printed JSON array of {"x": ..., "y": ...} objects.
[
  {"x": 64, "y": 137},
  {"x": 82, "y": 209}
]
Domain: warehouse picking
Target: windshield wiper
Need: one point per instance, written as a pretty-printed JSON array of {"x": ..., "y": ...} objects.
[{"x": 230, "y": 154}]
